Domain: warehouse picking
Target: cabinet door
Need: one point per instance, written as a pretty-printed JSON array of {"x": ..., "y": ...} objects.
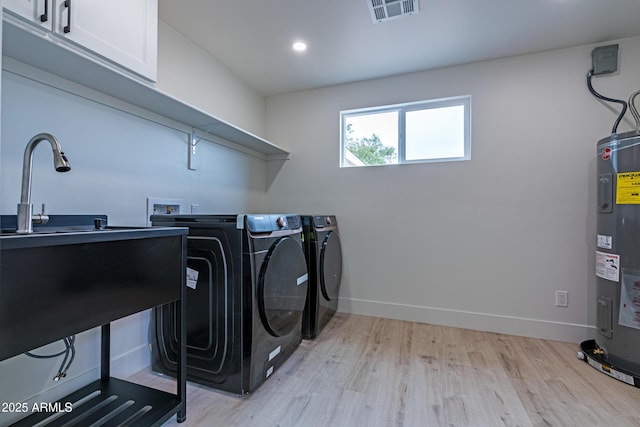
[
  {"x": 37, "y": 11},
  {"x": 124, "y": 31}
]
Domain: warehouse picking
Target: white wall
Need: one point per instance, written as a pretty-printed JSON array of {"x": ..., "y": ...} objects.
[
  {"x": 479, "y": 244},
  {"x": 188, "y": 72},
  {"x": 118, "y": 160}
]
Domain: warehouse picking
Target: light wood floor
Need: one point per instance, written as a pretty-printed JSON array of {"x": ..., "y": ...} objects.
[{"x": 367, "y": 371}]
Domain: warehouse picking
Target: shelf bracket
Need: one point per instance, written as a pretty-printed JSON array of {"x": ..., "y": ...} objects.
[{"x": 191, "y": 157}]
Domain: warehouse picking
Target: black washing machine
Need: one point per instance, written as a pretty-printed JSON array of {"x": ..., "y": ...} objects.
[
  {"x": 324, "y": 262},
  {"x": 247, "y": 287}
]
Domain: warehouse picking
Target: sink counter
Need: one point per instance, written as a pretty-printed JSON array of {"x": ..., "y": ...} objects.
[
  {"x": 52, "y": 236},
  {"x": 56, "y": 284},
  {"x": 66, "y": 278},
  {"x": 73, "y": 229}
]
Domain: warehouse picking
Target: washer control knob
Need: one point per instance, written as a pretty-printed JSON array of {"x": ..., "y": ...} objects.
[{"x": 281, "y": 222}]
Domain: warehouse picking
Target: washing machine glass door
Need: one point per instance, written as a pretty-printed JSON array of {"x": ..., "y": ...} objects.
[
  {"x": 282, "y": 287},
  {"x": 330, "y": 266}
]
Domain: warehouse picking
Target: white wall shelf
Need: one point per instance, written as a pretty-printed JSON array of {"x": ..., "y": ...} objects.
[{"x": 31, "y": 46}]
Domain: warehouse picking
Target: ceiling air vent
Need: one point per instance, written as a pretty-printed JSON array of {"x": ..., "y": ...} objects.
[{"x": 384, "y": 10}]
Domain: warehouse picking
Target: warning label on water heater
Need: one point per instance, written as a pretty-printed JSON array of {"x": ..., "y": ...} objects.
[
  {"x": 608, "y": 266},
  {"x": 628, "y": 188}
]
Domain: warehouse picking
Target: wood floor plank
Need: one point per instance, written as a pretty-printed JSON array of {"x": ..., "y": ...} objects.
[{"x": 367, "y": 371}]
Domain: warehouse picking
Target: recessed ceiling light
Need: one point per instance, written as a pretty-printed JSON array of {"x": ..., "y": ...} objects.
[{"x": 299, "y": 46}]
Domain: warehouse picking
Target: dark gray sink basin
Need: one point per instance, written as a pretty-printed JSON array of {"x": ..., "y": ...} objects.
[
  {"x": 13, "y": 240},
  {"x": 58, "y": 230},
  {"x": 57, "y": 224},
  {"x": 68, "y": 229},
  {"x": 66, "y": 278}
]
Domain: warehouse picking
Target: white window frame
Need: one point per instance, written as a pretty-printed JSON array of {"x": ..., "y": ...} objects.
[{"x": 402, "y": 109}]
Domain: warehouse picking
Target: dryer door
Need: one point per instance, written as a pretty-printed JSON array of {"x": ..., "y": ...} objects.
[
  {"x": 330, "y": 266},
  {"x": 282, "y": 287}
]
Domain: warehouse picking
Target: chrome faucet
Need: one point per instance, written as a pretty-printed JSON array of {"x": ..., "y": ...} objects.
[{"x": 25, "y": 208}]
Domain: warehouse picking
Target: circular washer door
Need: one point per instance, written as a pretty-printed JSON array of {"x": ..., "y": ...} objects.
[
  {"x": 330, "y": 266},
  {"x": 282, "y": 287}
]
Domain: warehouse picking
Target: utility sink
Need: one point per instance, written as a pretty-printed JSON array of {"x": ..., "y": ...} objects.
[
  {"x": 59, "y": 224},
  {"x": 76, "y": 273}
]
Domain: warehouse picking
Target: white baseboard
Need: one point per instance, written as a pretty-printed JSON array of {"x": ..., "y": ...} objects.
[
  {"x": 131, "y": 362},
  {"x": 535, "y": 328}
]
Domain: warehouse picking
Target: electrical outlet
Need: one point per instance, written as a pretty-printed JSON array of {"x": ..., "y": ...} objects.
[{"x": 562, "y": 298}]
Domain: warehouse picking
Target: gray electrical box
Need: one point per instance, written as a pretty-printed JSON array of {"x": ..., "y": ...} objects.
[{"x": 604, "y": 59}]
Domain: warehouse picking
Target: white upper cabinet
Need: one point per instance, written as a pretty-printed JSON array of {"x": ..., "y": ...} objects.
[
  {"x": 125, "y": 31},
  {"x": 122, "y": 31},
  {"x": 38, "y": 11}
]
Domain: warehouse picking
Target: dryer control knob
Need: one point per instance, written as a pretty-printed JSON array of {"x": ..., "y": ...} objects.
[{"x": 281, "y": 221}]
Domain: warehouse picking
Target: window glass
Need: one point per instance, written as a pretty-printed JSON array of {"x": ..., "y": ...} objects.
[
  {"x": 371, "y": 139},
  {"x": 435, "y": 133},
  {"x": 427, "y": 131}
]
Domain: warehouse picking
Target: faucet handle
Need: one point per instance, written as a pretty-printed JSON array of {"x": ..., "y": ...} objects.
[{"x": 40, "y": 218}]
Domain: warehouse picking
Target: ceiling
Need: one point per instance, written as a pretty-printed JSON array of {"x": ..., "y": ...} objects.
[{"x": 253, "y": 38}]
